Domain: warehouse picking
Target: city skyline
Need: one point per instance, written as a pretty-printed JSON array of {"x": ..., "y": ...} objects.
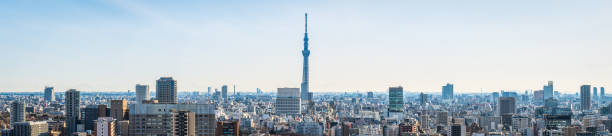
[{"x": 114, "y": 45}]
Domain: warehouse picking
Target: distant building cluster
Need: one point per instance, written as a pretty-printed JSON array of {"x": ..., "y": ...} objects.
[{"x": 297, "y": 111}]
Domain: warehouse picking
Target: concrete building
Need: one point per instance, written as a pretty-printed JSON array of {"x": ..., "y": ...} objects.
[
  {"x": 595, "y": 93},
  {"x": 142, "y": 93},
  {"x": 119, "y": 109},
  {"x": 585, "y": 97},
  {"x": 49, "y": 94},
  {"x": 548, "y": 90},
  {"x": 309, "y": 128},
  {"x": 185, "y": 123},
  {"x": 39, "y": 128},
  {"x": 122, "y": 128},
  {"x": 396, "y": 99},
  {"x": 603, "y": 92},
  {"x": 442, "y": 118},
  {"x": 18, "y": 113},
  {"x": 172, "y": 119},
  {"x": 423, "y": 99},
  {"x": 224, "y": 92},
  {"x": 228, "y": 128},
  {"x": 288, "y": 101},
  {"x": 166, "y": 91},
  {"x": 73, "y": 111},
  {"x": 457, "y": 130},
  {"x": 105, "y": 126},
  {"x": 448, "y": 91},
  {"x": 92, "y": 113},
  {"x": 507, "y": 105}
]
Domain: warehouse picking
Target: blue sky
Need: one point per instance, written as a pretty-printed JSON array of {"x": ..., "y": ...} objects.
[{"x": 355, "y": 45}]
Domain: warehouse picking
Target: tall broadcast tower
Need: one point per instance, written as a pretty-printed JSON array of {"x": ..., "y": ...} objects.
[{"x": 305, "y": 53}]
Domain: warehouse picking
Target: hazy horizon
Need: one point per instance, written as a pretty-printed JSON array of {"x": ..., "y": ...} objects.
[{"x": 355, "y": 45}]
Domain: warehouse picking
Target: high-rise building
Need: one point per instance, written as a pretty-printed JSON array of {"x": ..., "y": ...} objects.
[
  {"x": 105, "y": 126},
  {"x": 370, "y": 95},
  {"x": 49, "y": 94},
  {"x": 305, "y": 53},
  {"x": 423, "y": 98},
  {"x": 92, "y": 113},
  {"x": 507, "y": 105},
  {"x": 172, "y": 119},
  {"x": 603, "y": 92},
  {"x": 38, "y": 128},
  {"x": 73, "y": 112},
  {"x": 288, "y": 101},
  {"x": 585, "y": 97},
  {"x": 448, "y": 91},
  {"x": 548, "y": 90},
  {"x": 142, "y": 93},
  {"x": 224, "y": 92},
  {"x": 595, "y": 93},
  {"x": 119, "y": 109},
  {"x": 17, "y": 112},
  {"x": 166, "y": 90},
  {"x": 396, "y": 99}
]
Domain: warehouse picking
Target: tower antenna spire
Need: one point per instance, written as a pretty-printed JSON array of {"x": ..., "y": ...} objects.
[
  {"x": 305, "y": 53},
  {"x": 306, "y": 22}
]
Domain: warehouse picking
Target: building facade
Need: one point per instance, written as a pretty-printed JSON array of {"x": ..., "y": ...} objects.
[
  {"x": 585, "y": 97},
  {"x": 448, "y": 91},
  {"x": 142, "y": 93},
  {"x": 224, "y": 92},
  {"x": 119, "y": 109},
  {"x": 105, "y": 126},
  {"x": 507, "y": 105},
  {"x": 228, "y": 128},
  {"x": 288, "y": 101},
  {"x": 73, "y": 111},
  {"x": 548, "y": 90},
  {"x": 38, "y": 128},
  {"x": 49, "y": 94},
  {"x": 92, "y": 113},
  {"x": 166, "y": 90},
  {"x": 17, "y": 112},
  {"x": 396, "y": 99},
  {"x": 172, "y": 119}
]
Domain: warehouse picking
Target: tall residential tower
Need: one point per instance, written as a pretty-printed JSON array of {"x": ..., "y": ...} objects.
[
  {"x": 396, "y": 99},
  {"x": 18, "y": 113},
  {"x": 305, "y": 53},
  {"x": 548, "y": 90},
  {"x": 448, "y": 91},
  {"x": 73, "y": 110},
  {"x": 166, "y": 90},
  {"x": 142, "y": 93},
  {"x": 585, "y": 97},
  {"x": 49, "y": 95}
]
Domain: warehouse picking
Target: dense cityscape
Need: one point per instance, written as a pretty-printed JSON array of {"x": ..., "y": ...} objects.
[
  {"x": 544, "y": 112},
  {"x": 224, "y": 111}
]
